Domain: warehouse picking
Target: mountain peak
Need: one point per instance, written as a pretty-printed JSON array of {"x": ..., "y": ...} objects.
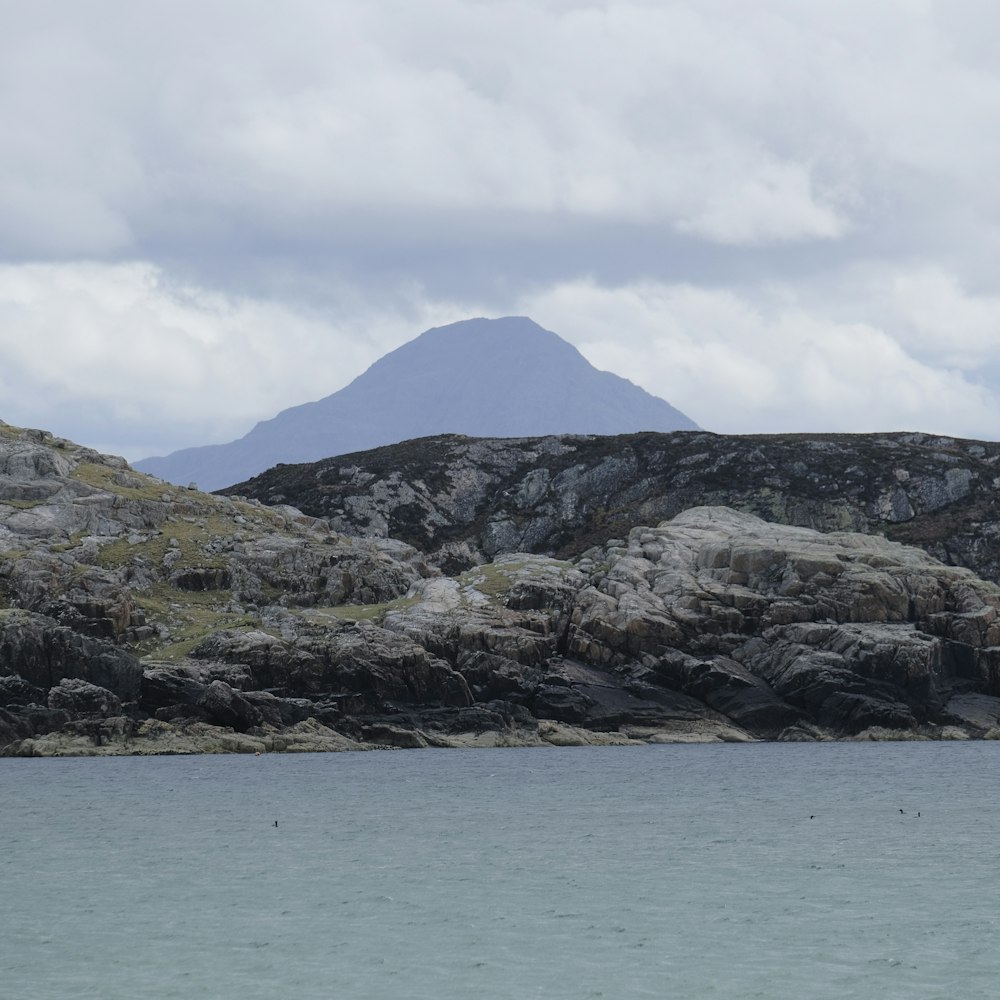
[{"x": 505, "y": 377}]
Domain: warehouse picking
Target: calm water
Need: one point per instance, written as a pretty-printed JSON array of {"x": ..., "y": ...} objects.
[{"x": 673, "y": 871}]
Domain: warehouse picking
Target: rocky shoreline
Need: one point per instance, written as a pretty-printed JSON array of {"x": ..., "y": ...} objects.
[{"x": 139, "y": 618}]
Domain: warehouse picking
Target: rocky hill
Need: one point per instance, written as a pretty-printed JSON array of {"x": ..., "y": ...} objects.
[
  {"x": 137, "y": 617},
  {"x": 463, "y": 501},
  {"x": 503, "y": 377}
]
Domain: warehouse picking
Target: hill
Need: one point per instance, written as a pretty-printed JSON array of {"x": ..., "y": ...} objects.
[
  {"x": 464, "y": 501},
  {"x": 499, "y": 378},
  {"x": 138, "y": 617}
]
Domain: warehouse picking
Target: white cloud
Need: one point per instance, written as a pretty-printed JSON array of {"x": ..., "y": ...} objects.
[
  {"x": 944, "y": 321},
  {"x": 128, "y": 359},
  {"x": 764, "y": 364},
  {"x": 726, "y": 122},
  {"x": 143, "y": 364},
  {"x": 786, "y": 210}
]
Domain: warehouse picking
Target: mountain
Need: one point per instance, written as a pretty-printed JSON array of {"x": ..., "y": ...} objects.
[{"x": 488, "y": 378}]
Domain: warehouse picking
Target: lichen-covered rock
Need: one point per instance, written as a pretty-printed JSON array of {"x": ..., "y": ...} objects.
[
  {"x": 263, "y": 629},
  {"x": 465, "y": 500},
  {"x": 771, "y": 625}
]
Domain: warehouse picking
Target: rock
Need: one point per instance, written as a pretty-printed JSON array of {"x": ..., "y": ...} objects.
[
  {"x": 226, "y": 707},
  {"x": 43, "y": 653},
  {"x": 79, "y": 698},
  {"x": 13, "y": 728},
  {"x": 163, "y": 687},
  {"x": 978, "y": 712},
  {"x": 461, "y": 499},
  {"x": 16, "y": 692},
  {"x": 714, "y": 625},
  {"x": 734, "y": 691}
]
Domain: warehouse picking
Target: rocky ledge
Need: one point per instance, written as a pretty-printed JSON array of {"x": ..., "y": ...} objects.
[{"x": 136, "y": 617}]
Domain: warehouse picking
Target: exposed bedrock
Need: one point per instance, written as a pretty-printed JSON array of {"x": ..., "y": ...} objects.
[
  {"x": 464, "y": 500},
  {"x": 180, "y": 622}
]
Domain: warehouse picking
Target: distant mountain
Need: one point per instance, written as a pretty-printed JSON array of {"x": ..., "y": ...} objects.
[{"x": 485, "y": 378}]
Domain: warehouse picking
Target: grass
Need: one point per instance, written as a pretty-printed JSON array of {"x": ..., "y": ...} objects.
[
  {"x": 191, "y": 535},
  {"x": 494, "y": 580},
  {"x": 71, "y": 543},
  {"x": 489, "y": 579},
  {"x": 104, "y": 477},
  {"x": 189, "y": 616}
]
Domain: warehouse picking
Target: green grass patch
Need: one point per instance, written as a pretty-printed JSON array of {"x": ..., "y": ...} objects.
[
  {"x": 71, "y": 543},
  {"x": 123, "y": 483},
  {"x": 489, "y": 579},
  {"x": 189, "y": 616},
  {"x": 192, "y": 537},
  {"x": 494, "y": 580}
]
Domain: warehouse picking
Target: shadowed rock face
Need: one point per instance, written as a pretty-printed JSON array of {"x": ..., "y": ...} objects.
[
  {"x": 463, "y": 500},
  {"x": 138, "y": 618}
]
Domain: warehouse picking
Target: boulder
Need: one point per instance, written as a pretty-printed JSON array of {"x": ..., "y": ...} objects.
[
  {"x": 80, "y": 699},
  {"x": 229, "y": 708}
]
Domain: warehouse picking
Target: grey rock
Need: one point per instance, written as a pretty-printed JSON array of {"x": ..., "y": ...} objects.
[
  {"x": 43, "y": 653},
  {"x": 79, "y": 698},
  {"x": 16, "y": 692},
  {"x": 227, "y": 707},
  {"x": 560, "y": 495}
]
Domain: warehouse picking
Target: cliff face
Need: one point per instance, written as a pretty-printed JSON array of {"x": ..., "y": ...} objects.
[
  {"x": 464, "y": 500},
  {"x": 136, "y": 617}
]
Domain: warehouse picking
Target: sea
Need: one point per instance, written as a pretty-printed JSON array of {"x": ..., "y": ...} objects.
[{"x": 779, "y": 871}]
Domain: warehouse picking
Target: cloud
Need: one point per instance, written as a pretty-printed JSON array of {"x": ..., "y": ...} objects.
[
  {"x": 122, "y": 357},
  {"x": 944, "y": 321},
  {"x": 701, "y": 119},
  {"x": 777, "y": 215},
  {"x": 770, "y": 363},
  {"x": 129, "y": 359}
]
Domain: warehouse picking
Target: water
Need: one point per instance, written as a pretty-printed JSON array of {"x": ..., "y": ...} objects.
[{"x": 673, "y": 871}]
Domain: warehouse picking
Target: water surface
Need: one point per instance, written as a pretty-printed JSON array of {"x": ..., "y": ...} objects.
[{"x": 775, "y": 871}]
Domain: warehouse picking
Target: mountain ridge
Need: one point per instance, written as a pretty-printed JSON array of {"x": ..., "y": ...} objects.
[{"x": 505, "y": 377}]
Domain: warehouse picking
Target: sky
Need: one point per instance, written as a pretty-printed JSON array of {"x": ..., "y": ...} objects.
[{"x": 779, "y": 216}]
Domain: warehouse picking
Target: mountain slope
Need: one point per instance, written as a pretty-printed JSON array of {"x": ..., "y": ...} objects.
[{"x": 488, "y": 378}]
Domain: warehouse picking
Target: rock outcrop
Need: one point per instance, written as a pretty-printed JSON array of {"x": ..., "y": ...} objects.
[
  {"x": 139, "y": 618},
  {"x": 464, "y": 500}
]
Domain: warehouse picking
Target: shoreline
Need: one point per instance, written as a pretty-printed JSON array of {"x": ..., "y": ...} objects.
[{"x": 155, "y": 738}]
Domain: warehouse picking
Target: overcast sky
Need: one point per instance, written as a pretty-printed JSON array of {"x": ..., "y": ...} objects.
[{"x": 779, "y": 215}]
